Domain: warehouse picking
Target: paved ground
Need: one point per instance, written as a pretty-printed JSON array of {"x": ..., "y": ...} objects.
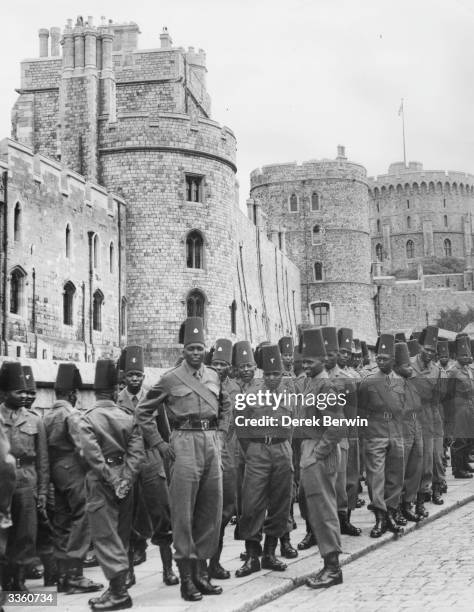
[
  {"x": 431, "y": 569},
  {"x": 245, "y": 594}
]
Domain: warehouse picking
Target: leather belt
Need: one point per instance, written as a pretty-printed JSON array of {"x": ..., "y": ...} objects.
[
  {"x": 411, "y": 416},
  {"x": 197, "y": 425},
  {"x": 114, "y": 460},
  {"x": 267, "y": 440},
  {"x": 22, "y": 461}
]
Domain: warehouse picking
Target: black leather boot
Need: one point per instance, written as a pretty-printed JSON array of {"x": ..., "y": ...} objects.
[
  {"x": 116, "y": 597},
  {"x": 309, "y": 539},
  {"x": 201, "y": 579},
  {"x": 19, "y": 574},
  {"x": 408, "y": 513},
  {"x": 189, "y": 591},
  {"x": 347, "y": 528},
  {"x": 130, "y": 579},
  {"x": 436, "y": 495},
  {"x": 380, "y": 526},
  {"x": 420, "y": 506},
  {"x": 269, "y": 561},
  {"x": 75, "y": 582},
  {"x": 399, "y": 518},
  {"x": 50, "y": 574},
  {"x": 330, "y": 575},
  {"x": 169, "y": 577},
  {"x": 392, "y": 523},
  {"x": 443, "y": 487},
  {"x": 286, "y": 549},
  {"x": 215, "y": 568},
  {"x": 252, "y": 564}
]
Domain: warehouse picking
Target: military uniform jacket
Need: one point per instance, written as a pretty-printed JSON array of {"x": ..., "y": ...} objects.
[
  {"x": 108, "y": 431},
  {"x": 430, "y": 388},
  {"x": 381, "y": 402},
  {"x": 4, "y": 444},
  {"x": 460, "y": 419},
  {"x": 27, "y": 437},
  {"x": 62, "y": 424},
  {"x": 186, "y": 398}
]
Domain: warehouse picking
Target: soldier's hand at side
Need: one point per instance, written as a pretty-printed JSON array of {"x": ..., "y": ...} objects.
[
  {"x": 122, "y": 488},
  {"x": 41, "y": 503},
  {"x": 166, "y": 451}
]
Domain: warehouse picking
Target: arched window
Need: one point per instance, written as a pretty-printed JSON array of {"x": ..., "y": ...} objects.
[
  {"x": 410, "y": 249},
  {"x": 97, "y": 303},
  {"x": 123, "y": 317},
  {"x": 195, "y": 304},
  {"x": 320, "y": 312},
  {"x": 111, "y": 258},
  {"x": 378, "y": 226},
  {"x": 293, "y": 203},
  {"x": 379, "y": 252},
  {"x": 233, "y": 317},
  {"x": 447, "y": 248},
  {"x": 317, "y": 234},
  {"x": 378, "y": 207},
  {"x": 68, "y": 303},
  {"x": 408, "y": 222},
  {"x": 68, "y": 241},
  {"x": 318, "y": 271},
  {"x": 445, "y": 220},
  {"x": 314, "y": 201},
  {"x": 17, "y": 291},
  {"x": 95, "y": 251},
  {"x": 17, "y": 223},
  {"x": 194, "y": 250},
  {"x": 408, "y": 203}
]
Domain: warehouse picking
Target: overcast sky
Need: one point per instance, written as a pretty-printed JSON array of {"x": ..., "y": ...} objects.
[{"x": 294, "y": 79}]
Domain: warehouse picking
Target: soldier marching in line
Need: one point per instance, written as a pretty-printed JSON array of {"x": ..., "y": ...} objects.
[{"x": 7, "y": 488}]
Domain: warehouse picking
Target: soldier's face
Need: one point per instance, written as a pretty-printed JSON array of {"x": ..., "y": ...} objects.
[
  {"x": 287, "y": 360},
  {"x": 385, "y": 363},
  {"x": 272, "y": 380},
  {"x": 405, "y": 370},
  {"x": 194, "y": 354},
  {"x": 222, "y": 368},
  {"x": 134, "y": 381},
  {"x": 298, "y": 367},
  {"x": 464, "y": 359},
  {"x": 30, "y": 398},
  {"x": 427, "y": 354},
  {"x": 313, "y": 366},
  {"x": 331, "y": 360},
  {"x": 15, "y": 399},
  {"x": 246, "y": 372},
  {"x": 444, "y": 361},
  {"x": 344, "y": 357}
]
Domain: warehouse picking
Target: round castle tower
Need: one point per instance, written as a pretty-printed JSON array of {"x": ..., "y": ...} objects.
[
  {"x": 417, "y": 214},
  {"x": 324, "y": 207}
]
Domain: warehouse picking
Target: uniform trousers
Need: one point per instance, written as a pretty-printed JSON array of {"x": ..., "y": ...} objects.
[
  {"x": 110, "y": 521},
  {"x": 266, "y": 490},
  {"x": 318, "y": 480},
  {"x": 439, "y": 471},
  {"x": 427, "y": 470},
  {"x": 21, "y": 545},
  {"x": 413, "y": 459},
  {"x": 384, "y": 466},
  {"x": 195, "y": 493}
]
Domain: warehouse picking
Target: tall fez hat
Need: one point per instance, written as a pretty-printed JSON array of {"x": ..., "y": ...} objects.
[
  {"x": 132, "y": 358},
  {"x": 286, "y": 345},
  {"x": 400, "y": 337},
  {"x": 12, "y": 377},
  {"x": 193, "y": 331},
  {"x": 222, "y": 350},
  {"x": 258, "y": 354},
  {"x": 312, "y": 344},
  {"x": 29, "y": 378},
  {"x": 345, "y": 338},
  {"x": 463, "y": 346},
  {"x": 242, "y": 353},
  {"x": 413, "y": 347},
  {"x": 364, "y": 347},
  {"x": 443, "y": 348},
  {"x": 106, "y": 374},
  {"x": 270, "y": 358},
  {"x": 415, "y": 335},
  {"x": 385, "y": 345},
  {"x": 297, "y": 356},
  {"x": 68, "y": 377},
  {"x": 472, "y": 345},
  {"x": 429, "y": 337},
  {"x": 402, "y": 355},
  {"x": 357, "y": 346},
  {"x": 330, "y": 338}
]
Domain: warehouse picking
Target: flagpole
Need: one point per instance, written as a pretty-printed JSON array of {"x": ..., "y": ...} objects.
[{"x": 402, "y": 109}]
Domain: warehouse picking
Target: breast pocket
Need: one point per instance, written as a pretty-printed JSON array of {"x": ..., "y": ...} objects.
[
  {"x": 26, "y": 439},
  {"x": 183, "y": 397}
]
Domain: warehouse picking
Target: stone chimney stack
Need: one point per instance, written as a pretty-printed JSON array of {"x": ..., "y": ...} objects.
[
  {"x": 43, "y": 42},
  {"x": 55, "y": 34},
  {"x": 341, "y": 152},
  {"x": 165, "y": 39}
]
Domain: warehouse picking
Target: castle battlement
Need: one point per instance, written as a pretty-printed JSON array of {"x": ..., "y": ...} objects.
[{"x": 415, "y": 179}]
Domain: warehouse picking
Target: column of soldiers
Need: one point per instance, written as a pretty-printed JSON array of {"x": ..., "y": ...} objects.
[{"x": 177, "y": 461}]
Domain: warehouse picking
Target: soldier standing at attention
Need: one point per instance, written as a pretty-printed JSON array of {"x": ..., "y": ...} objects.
[
  {"x": 151, "y": 496},
  {"x": 320, "y": 457},
  {"x": 268, "y": 479},
  {"x": 197, "y": 410},
  {"x": 71, "y": 533},
  {"x": 7, "y": 488},
  {"x": 113, "y": 450},
  {"x": 286, "y": 347},
  {"x": 25, "y": 432},
  {"x": 381, "y": 401}
]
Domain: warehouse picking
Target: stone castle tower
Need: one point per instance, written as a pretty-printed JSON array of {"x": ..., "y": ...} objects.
[
  {"x": 138, "y": 122},
  {"x": 324, "y": 207}
]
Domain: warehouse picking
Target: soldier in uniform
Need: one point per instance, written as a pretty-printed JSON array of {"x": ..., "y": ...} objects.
[
  {"x": 286, "y": 347},
  {"x": 197, "y": 409},
  {"x": 320, "y": 457},
  {"x": 268, "y": 479},
  {"x": 7, "y": 488},
  {"x": 71, "y": 533},
  {"x": 381, "y": 401},
  {"x": 151, "y": 496},
  {"x": 25, "y": 432},
  {"x": 113, "y": 450},
  {"x": 413, "y": 347}
]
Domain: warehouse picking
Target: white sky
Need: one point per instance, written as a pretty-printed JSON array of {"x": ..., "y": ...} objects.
[{"x": 294, "y": 79}]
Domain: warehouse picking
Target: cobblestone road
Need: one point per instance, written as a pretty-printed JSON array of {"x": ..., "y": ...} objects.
[{"x": 431, "y": 569}]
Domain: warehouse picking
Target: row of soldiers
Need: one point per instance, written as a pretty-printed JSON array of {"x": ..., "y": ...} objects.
[{"x": 177, "y": 462}]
